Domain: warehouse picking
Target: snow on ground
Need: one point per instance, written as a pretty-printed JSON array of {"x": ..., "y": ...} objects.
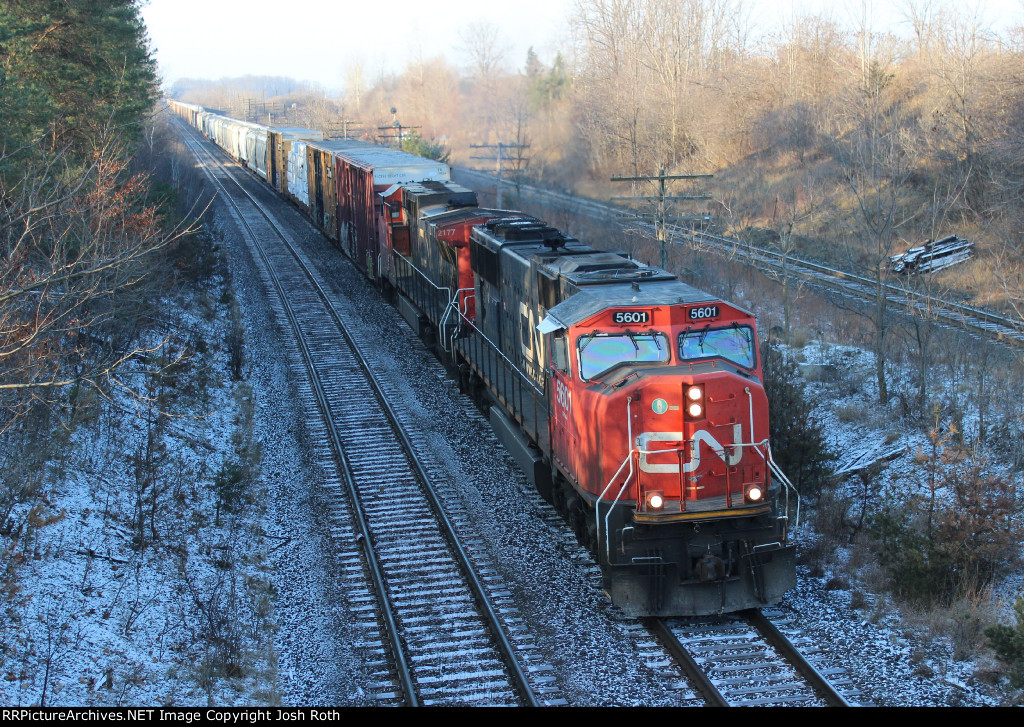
[
  {"x": 241, "y": 604},
  {"x": 123, "y": 571},
  {"x": 839, "y": 596}
]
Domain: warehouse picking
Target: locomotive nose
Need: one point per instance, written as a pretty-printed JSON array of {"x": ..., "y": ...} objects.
[{"x": 695, "y": 445}]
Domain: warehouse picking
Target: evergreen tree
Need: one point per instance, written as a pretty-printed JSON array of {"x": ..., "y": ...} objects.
[
  {"x": 74, "y": 75},
  {"x": 426, "y": 148},
  {"x": 796, "y": 436},
  {"x": 77, "y": 231},
  {"x": 1008, "y": 643},
  {"x": 545, "y": 86}
]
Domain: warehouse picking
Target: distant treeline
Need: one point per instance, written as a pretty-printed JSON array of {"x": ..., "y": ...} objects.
[{"x": 193, "y": 90}]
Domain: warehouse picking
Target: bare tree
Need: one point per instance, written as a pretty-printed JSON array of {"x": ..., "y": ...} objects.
[
  {"x": 792, "y": 210},
  {"x": 924, "y": 17},
  {"x": 485, "y": 49},
  {"x": 878, "y": 155},
  {"x": 355, "y": 81},
  {"x": 75, "y": 244}
]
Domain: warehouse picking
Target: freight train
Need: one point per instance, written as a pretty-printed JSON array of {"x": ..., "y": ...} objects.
[{"x": 633, "y": 401}]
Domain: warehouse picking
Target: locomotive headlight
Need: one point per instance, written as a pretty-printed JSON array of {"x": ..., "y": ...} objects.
[
  {"x": 753, "y": 493},
  {"x": 655, "y": 500},
  {"x": 695, "y": 401}
]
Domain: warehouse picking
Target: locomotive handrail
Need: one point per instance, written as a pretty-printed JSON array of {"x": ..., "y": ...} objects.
[
  {"x": 777, "y": 471},
  {"x": 529, "y": 382},
  {"x": 770, "y": 460},
  {"x": 453, "y": 304},
  {"x": 446, "y": 289},
  {"x": 470, "y": 295},
  {"x": 597, "y": 505},
  {"x": 607, "y": 515},
  {"x": 423, "y": 275},
  {"x": 787, "y": 486}
]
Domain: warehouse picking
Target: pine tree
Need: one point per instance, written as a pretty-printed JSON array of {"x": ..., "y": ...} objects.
[
  {"x": 1008, "y": 643},
  {"x": 427, "y": 148},
  {"x": 796, "y": 436},
  {"x": 74, "y": 75}
]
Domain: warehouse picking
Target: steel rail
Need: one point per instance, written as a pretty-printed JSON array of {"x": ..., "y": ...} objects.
[
  {"x": 376, "y": 571},
  {"x": 448, "y": 529},
  {"x": 799, "y": 662},
  {"x": 698, "y": 676},
  {"x": 774, "y": 638}
]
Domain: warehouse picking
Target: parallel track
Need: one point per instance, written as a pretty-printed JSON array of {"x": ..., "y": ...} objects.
[
  {"x": 950, "y": 313},
  {"x": 453, "y": 636}
]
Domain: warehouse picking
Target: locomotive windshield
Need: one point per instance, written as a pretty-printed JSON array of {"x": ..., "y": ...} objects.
[
  {"x": 601, "y": 352},
  {"x": 735, "y": 344}
]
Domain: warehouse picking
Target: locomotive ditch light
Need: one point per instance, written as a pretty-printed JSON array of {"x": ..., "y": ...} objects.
[
  {"x": 753, "y": 493},
  {"x": 655, "y": 501}
]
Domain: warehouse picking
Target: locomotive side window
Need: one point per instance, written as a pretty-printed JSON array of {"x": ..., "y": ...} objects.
[
  {"x": 560, "y": 351},
  {"x": 735, "y": 344},
  {"x": 601, "y": 352}
]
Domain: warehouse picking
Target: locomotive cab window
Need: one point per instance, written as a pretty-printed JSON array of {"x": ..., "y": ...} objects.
[
  {"x": 734, "y": 344},
  {"x": 601, "y": 352},
  {"x": 560, "y": 351}
]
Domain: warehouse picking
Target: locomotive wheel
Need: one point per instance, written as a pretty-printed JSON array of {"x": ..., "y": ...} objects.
[
  {"x": 591, "y": 535},
  {"x": 558, "y": 497}
]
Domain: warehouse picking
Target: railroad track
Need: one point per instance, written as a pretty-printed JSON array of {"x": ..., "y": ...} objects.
[
  {"x": 746, "y": 660},
  {"x": 440, "y": 628},
  {"x": 950, "y": 313}
]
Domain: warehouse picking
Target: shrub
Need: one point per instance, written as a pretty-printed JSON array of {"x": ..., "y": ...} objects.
[{"x": 940, "y": 549}]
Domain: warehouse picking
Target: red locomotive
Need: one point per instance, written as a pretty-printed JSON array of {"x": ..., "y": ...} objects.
[{"x": 633, "y": 401}]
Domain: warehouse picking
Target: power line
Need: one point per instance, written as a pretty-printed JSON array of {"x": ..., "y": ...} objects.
[
  {"x": 500, "y": 160},
  {"x": 660, "y": 216}
]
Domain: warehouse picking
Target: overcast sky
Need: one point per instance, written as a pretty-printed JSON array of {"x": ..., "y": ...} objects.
[
  {"x": 222, "y": 38},
  {"x": 316, "y": 39}
]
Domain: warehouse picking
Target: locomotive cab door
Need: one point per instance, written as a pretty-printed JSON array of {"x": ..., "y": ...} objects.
[{"x": 564, "y": 440}]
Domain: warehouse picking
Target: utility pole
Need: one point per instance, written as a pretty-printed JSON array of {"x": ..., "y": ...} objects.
[
  {"x": 254, "y": 110},
  {"x": 500, "y": 159},
  {"x": 342, "y": 128},
  {"x": 661, "y": 201}
]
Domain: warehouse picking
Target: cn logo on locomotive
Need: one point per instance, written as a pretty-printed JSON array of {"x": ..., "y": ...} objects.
[{"x": 730, "y": 456}]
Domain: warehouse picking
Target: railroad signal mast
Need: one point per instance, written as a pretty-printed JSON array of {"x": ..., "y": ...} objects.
[
  {"x": 500, "y": 158},
  {"x": 659, "y": 217}
]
